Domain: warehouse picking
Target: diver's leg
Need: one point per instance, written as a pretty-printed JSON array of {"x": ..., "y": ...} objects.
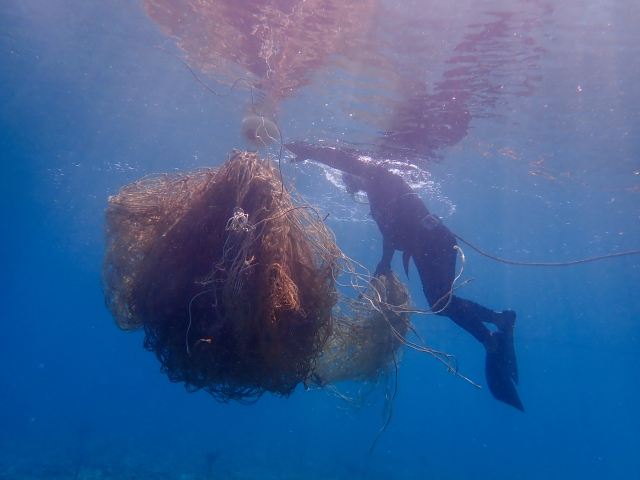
[
  {"x": 472, "y": 317},
  {"x": 435, "y": 259}
]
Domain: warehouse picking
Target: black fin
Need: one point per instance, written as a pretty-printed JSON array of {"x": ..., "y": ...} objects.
[
  {"x": 406, "y": 256},
  {"x": 498, "y": 370},
  {"x": 508, "y": 349}
]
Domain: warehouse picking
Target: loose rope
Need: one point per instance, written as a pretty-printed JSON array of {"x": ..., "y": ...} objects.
[{"x": 547, "y": 264}]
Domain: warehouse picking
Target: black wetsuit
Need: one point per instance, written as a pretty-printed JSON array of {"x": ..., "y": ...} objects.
[{"x": 407, "y": 225}]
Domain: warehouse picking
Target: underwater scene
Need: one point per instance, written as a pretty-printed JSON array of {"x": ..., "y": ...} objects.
[{"x": 318, "y": 239}]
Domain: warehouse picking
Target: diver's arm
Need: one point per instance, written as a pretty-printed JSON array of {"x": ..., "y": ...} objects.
[
  {"x": 331, "y": 156},
  {"x": 387, "y": 255}
]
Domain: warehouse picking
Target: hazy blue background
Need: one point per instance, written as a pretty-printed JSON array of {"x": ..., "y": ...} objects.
[{"x": 88, "y": 105}]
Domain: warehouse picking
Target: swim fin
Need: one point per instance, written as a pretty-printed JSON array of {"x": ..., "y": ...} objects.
[
  {"x": 508, "y": 324},
  {"x": 500, "y": 372}
]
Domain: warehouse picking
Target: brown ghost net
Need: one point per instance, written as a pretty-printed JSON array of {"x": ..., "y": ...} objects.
[{"x": 233, "y": 279}]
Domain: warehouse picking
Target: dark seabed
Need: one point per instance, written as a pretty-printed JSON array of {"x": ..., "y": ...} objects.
[{"x": 524, "y": 120}]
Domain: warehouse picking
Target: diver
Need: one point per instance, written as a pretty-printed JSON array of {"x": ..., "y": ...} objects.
[{"x": 407, "y": 225}]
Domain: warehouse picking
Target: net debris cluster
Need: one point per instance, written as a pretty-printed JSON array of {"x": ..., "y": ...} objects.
[
  {"x": 367, "y": 334},
  {"x": 233, "y": 279}
]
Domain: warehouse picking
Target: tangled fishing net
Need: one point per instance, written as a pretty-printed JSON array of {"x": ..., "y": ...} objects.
[
  {"x": 367, "y": 334},
  {"x": 233, "y": 279}
]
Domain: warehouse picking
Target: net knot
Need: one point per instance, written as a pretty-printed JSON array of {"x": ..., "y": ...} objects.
[{"x": 239, "y": 222}]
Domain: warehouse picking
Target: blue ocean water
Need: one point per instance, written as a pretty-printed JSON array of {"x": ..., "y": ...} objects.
[{"x": 548, "y": 172}]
